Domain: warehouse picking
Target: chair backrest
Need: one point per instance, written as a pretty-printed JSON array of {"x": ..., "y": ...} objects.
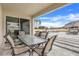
[
  {"x": 10, "y": 40},
  {"x": 16, "y": 32},
  {"x": 21, "y": 33},
  {"x": 44, "y": 35},
  {"x": 48, "y": 45},
  {"x": 37, "y": 33}
]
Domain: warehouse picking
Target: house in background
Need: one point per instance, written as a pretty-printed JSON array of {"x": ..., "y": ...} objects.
[{"x": 73, "y": 27}]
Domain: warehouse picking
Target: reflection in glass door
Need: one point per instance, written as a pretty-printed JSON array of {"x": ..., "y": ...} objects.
[{"x": 25, "y": 25}]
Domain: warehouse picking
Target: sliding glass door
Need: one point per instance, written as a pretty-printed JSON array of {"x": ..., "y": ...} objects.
[
  {"x": 25, "y": 25},
  {"x": 13, "y": 24}
]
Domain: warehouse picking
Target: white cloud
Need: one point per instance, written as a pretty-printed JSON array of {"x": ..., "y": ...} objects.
[
  {"x": 69, "y": 17},
  {"x": 73, "y": 17},
  {"x": 50, "y": 24},
  {"x": 44, "y": 17},
  {"x": 57, "y": 20}
]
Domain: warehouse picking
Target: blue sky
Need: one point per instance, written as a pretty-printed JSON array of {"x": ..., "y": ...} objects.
[{"x": 60, "y": 17}]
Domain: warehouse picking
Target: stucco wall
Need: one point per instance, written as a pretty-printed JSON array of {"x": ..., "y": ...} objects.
[
  {"x": 7, "y": 13},
  {"x": 1, "y": 32}
]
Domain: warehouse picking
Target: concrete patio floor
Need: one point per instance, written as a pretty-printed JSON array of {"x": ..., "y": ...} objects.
[{"x": 65, "y": 45}]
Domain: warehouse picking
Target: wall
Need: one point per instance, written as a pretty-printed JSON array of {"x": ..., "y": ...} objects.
[
  {"x": 1, "y": 32},
  {"x": 6, "y": 13}
]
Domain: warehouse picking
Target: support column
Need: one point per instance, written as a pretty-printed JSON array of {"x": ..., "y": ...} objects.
[{"x": 32, "y": 26}]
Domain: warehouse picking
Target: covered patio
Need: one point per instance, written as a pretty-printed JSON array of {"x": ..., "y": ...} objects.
[{"x": 29, "y": 11}]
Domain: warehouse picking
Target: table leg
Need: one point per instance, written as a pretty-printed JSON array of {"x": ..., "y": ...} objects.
[{"x": 31, "y": 52}]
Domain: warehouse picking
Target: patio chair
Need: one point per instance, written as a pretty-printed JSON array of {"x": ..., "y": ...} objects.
[
  {"x": 47, "y": 48},
  {"x": 37, "y": 33},
  {"x": 21, "y": 33},
  {"x": 15, "y": 37},
  {"x": 16, "y": 49},
  {"x": 44, "y": 35}
]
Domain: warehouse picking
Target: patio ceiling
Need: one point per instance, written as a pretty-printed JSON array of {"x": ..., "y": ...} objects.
[{"x": 31, "y": 9}]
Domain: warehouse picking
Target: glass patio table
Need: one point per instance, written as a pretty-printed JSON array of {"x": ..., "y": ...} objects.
[{"x": 31, "y": 41}]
